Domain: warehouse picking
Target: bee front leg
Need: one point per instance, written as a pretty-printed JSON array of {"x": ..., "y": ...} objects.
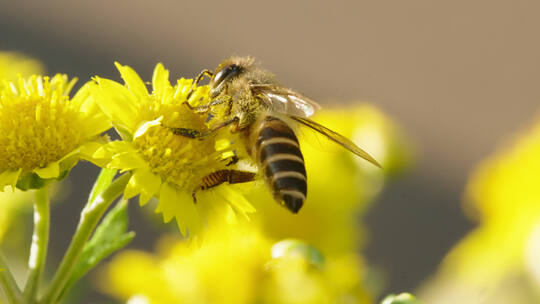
[
  {"x": 205, "y": 108},
  {"x": 198, "y": 79},
  {"x": 192, "y": 133}
]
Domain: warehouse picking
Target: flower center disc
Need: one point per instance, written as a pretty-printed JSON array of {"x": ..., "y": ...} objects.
[
  {"x": 35, "y": 131},
  {"x": 177, "y": 159}
]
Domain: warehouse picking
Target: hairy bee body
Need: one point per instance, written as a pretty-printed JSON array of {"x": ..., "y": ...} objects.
[{"x": 253, "y": 101}]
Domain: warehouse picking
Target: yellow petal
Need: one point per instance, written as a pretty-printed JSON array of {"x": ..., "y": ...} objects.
[
  {"x": 133, "y": 82},
  {"x": 83, "y": 96},
  {"x": 167, "y": 198},
  {"x": 236, "y": 199},
  {"x": 180, "y": 205},
  {"x": 132, "y": 188},
  {"x": 160, "y": 80},
  {"x": 108, "y": 150},
  {"x": 151, "y": 183},
  {"x": 95, "y": 121},
  {"x": 142, "y": 129},
  {"x": 69, "y": 155},
  {"x": 230, "y": 215},
  {"x": 117, "y": 102},
  {"x": 51, "y": 171},
  {"x": 88, "y": 149},
  {"x": 96, "y": 124},
  {"x": 9, "y": 178},
  {"x": 215, "y": 207},
  {"x": 127, "y": 161},
  {"x": 182, "y": 88},
  {"x": 187, "y": 215},
  {"x": 143, "y": 182}
]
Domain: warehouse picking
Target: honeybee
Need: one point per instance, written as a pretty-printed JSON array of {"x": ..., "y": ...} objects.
[{"x": 254, "y": 106}]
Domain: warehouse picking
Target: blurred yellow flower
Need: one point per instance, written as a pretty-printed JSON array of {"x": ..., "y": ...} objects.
[
  {"x": 340, "y": 185},
  {"x": 13, "y": 64},
  {"x": 232, "y": 264},
  {"x": 491, "y": 263},
  {"x": 43, "y": 132},
  {"x": 165, "y": 165}
]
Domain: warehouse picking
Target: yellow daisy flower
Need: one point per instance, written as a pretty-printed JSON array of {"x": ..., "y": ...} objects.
[
  {"x": 43, "y": 132},
  {"x": 165, "y": 165}
]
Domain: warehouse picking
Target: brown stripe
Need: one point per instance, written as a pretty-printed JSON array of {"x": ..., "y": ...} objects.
[
  {"x": 279, "y": 140},
  {"x": 278, "y": 148},
  {"x": 291, "y": 183},
  {"x": 284, "y": 165},
  {"x": 282, "y": 156},
  {"x": 294, "y": 193},
  {"x": 284, "y": 174},
  {"x": 274, "y": 128}
]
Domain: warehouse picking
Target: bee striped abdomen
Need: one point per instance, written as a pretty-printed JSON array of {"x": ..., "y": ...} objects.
[{"x": 278, "y": 153}]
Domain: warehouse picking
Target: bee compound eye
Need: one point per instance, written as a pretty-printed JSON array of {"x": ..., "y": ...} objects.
[{"x": 227, "y": 72}]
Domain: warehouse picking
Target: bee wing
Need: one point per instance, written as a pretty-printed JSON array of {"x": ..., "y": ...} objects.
[
  {"x": 285, "y": 101},
  {"x": 337, "y": 138}
]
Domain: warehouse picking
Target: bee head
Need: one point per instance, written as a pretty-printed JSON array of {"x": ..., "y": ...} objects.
[{"x": 226, "y": 72}]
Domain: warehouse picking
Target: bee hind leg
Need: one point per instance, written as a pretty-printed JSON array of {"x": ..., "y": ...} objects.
[{"x": 219, "y": 177}]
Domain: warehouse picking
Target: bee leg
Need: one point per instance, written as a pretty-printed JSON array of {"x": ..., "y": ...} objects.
[
  {"x": 192, "y": 133},
  {"x": 201, "y": 75},
  {"x": 197, "y": 80},
  {"x": 229, "y": 109},
  {"x": 205, "y": 108},
  {"x": 239, "y": 177},
  {"x": 219, "y": 177}
]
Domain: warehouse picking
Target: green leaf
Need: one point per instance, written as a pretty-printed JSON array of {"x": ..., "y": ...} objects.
[
  {"x": 403, "y": 298},
  {"x": 102, "y": 182},
  {"x": 111, "y": 235}
]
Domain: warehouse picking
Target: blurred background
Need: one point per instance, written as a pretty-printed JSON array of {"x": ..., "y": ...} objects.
[{"x": 458, "y": 77}]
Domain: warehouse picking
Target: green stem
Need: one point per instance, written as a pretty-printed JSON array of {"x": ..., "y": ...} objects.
[
  {"x": 90, "y": 216},
  {"x": 40, "y": 240},
  {"x": 7, "y": 281}
]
